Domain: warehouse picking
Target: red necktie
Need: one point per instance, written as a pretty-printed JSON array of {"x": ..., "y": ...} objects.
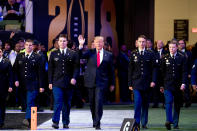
[{"x": 98, "y": 58}]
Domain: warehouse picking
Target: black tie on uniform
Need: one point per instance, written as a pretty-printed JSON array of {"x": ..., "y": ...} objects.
[
  {"x": 27, "y": 56},
  {"x": 173, "y": 57},
  {"x": 141, "y": 52},
  {"x": 62, "y": 52}
]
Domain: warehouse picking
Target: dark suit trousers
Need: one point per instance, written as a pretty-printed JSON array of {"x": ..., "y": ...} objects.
[
  {"x": 2, "y": 110},
  {"x": 96, "y": 104}
]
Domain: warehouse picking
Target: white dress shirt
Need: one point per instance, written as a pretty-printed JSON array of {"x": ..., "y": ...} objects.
[{"x": 1, "y": 59}]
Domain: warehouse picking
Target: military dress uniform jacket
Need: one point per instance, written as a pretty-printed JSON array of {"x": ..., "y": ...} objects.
[
  {"x": 62, "y": 68},
  {"x": 6, "y": 77},
  {"x": 29, "y": 71},
  {"x": 142, "y": 69},
  {"x": 174, "y": 71}
]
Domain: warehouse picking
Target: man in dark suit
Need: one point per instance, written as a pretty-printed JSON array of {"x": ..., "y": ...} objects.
[
  {"x": 188, "y": 55},
  {"x": 194, "y": 76},
  {"x": 63, "y": 72},
  {"x": 122, "y": 65},
  {"x": 141, "y": 76},
  {"x": 174, "y": 72},
  {"x": 6, "y": 82},
  {"x": 29, "y": 70},
  {"x": 159, "y": 53},
  {"x": 99, "y": 75}
]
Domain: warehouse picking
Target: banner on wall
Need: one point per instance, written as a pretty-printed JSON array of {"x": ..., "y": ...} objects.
[{"x": 73, "y": 17}]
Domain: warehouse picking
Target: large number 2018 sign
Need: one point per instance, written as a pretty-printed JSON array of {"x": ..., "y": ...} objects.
[{"x": 63, "y": 19}]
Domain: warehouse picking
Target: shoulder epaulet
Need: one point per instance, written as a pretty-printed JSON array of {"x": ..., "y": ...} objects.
[
  {"x": 21, "y": 53},
  {"x": 23, "y": 50},
  {"x": 151, "y": 51},
  {"x": 38, "y": 54},
  {"x": 6, "y": 59},
  {"x": 180, "y": 53},
  {"x": 134, "y": 51},
  {"x": 73, "y": 51},
  {"x": 54, "y": 49},
  {"x": 166, "y": 55}
]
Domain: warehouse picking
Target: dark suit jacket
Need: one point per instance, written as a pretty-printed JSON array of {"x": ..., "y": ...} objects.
[
  {"x": 29, "y": 75},
  {"x": 194, "y": 74},
  {"x": 174, "y": 71},
  {"x": 63, "y": 68},
  {"x": 142, "y": 70},
  {"x": 6, "y": 77},
  {"x": 190, "y": 62},
  {"x": 101, "y": 77},
  {"x": 159, "y": 58}
]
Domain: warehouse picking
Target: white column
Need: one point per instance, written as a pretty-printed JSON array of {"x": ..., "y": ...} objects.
[{"x": 29, "y": 16}]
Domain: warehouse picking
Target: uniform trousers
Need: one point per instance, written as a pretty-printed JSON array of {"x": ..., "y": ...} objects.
[{"x": 62, "y": 102}]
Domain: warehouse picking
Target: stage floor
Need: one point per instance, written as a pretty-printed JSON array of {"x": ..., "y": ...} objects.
[
  {"x": 80, "y": 120},
  {"x": 112, "y": 119}
]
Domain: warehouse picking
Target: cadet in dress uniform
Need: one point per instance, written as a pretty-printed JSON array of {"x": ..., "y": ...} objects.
[
  {"x": 29, "y": 70},
  {"x": 6, "y": 82},
  {"x": 63, "y": 72},
  {"x": 141, "y": 76},
  {"x": 174, "y": 72}
]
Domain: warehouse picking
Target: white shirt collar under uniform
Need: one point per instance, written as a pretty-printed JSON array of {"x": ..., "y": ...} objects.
[
  {"x": 28, "y": 54},
  {"x": 61, "y": 50},
  {"x": 173, "y": 55}
]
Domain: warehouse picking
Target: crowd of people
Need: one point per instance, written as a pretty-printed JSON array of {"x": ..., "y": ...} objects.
[
  {"x": 12, "y": 9},
  {"x": 71, "y": 74}
]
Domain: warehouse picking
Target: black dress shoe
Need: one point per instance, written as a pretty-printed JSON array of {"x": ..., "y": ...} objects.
[
  {"x": 98, "y": 128},
  {"x": 26, "y": 122},
  {"x": 176, "y": 127},
  {"x": 40, "y": 110},
  {"x": 23, "y": 110},
  {"x": 155, "y": 106},
  {"x": 144, "y": 127},
  {"x": 94, "y": 126},
  {"x": 168, "y": 126},
  {"x": 187, "y": 104},
  {"x": 65, "y": 126},
  {"x": 1, "y": 125},
  {"x": 55, "y": 125}
]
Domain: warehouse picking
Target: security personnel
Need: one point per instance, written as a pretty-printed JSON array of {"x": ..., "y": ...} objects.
[
  {"x": 63, "y": 71},
  {"x": 6, "y": 82},
  {"x": 174, "y": 72},
  {"x": 141, "y": 76},
  {"x": 157, "y": 95},
  {"x": 194, "y": 76},
  {"x": 29, "y": 70},
  {"x": 188, "y": 55}
]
